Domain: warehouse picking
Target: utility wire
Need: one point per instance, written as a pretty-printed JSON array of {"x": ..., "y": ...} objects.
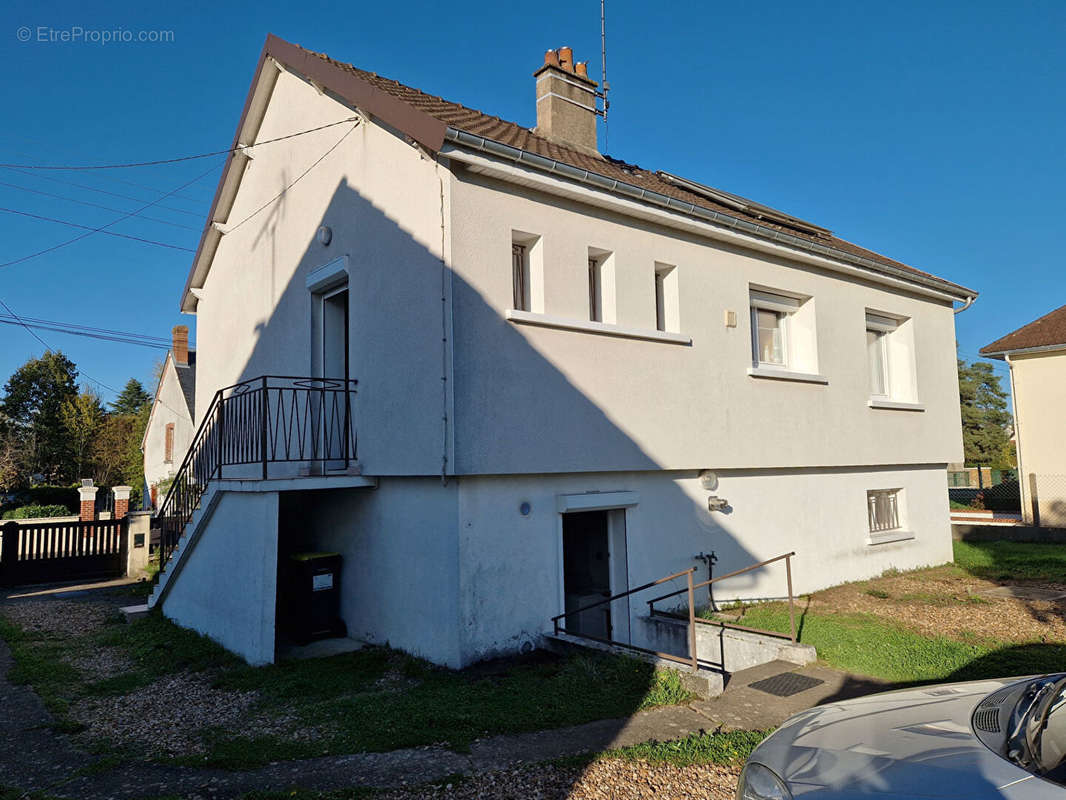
[
  {"x": 157, "y": 162},
  {"x": 275, "y": 198},
  {"x": 95, "y": 230},
  {"x": 95, "y": 205},
  {"x": 52, "y": 178},
  {"x": 120, "y": 337},
  {"x": 88, "y": 233}
]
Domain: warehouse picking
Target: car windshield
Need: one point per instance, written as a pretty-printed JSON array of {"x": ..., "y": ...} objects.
[{"x": 1038, "y": 738}]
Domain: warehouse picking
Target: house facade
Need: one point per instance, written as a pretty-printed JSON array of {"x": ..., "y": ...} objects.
[
  {"x": 574, "y": 375},
  {"x": 170, "y": 425},
  {"x": 1036, "y": 355}
]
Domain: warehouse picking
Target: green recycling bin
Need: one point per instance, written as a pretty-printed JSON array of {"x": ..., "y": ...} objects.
[{"x": 314, "y": 597}]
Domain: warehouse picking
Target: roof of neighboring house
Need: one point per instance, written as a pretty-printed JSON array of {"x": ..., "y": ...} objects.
[
  {"x": 1048, "y": 331},
  {"x": 187, "y": 381},
  {"x": 427, "y": 118}
]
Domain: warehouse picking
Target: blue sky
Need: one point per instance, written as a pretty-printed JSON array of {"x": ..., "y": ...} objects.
[{"x": 931, "y": 132}]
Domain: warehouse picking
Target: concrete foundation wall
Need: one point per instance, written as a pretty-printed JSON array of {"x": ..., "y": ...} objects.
[
  {"x": 400, "y": 573},
  {"x": 227, "y": 587},
  {"x": 511, "y": 575}
]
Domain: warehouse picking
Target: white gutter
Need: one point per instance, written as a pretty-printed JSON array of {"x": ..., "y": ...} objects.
[
  {"x": 1021, "y": 351},
  {"x": 635, "y": 200}
]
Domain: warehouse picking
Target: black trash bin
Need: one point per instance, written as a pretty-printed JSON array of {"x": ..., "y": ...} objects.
[{"x": 314, "y": 597}]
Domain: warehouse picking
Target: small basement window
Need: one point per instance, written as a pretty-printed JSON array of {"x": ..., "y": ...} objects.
[{"x": 883, "y": 510}]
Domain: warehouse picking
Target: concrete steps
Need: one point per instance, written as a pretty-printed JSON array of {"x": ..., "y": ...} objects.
[{"x": 185, "y": 544}]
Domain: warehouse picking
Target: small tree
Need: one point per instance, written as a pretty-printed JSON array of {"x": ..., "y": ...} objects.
[
  {"x": 986, "y": 420},
  {"x": 33, "y": 400}
]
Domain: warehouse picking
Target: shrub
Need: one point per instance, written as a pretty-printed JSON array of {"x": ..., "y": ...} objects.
[
  {"x": 35, "y": 512},
  {"x": 66, "y": 496}
]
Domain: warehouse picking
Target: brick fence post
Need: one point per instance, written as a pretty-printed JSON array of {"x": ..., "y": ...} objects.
[
  {"x": 88, "y": 503},
  {"x": 122, "y": 501}
]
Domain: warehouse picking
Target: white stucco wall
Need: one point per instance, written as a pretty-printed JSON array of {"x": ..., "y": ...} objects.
[
  {"x": 511, "y": 566},
  {"x": 1039, "y": 385},
  {"x": 400, "y": 574},
  {"x": 169, "y": 406},
  {"x": 227, "y": 587},
  {"x": 383, "y": 201},
  {"x": 534, "y": 399}
]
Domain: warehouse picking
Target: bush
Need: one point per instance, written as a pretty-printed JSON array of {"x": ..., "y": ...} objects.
[
  {"x": 35, "y": 512},
  {"x": 66, "y": 496}
]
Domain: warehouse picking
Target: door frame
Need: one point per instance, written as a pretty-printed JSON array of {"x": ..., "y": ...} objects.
[
  {"x": 615, "y": 504},
  {"x": 323, "y": 283}
]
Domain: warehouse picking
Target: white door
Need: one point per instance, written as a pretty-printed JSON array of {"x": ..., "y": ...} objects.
[{"x": 333, "y": 369}]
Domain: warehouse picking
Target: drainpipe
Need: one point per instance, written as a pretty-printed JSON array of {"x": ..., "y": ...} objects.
[
  {"x": 966, "y": 305},
  {"x": 710, "y": 559}
]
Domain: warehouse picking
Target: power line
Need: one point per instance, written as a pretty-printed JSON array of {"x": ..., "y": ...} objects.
[
  {"x": 53, "y": 248},
  {"x": 95, "y": 205},
  {"x": 275, "y": 198},
  {"x": 186, "y": 212},
  {"x": 95, "y": 230},
  {"x": 239, "y": 148},
  {"x": 120, "y": 337}
]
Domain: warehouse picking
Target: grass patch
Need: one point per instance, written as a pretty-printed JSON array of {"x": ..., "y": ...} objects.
[
  {"x": 880, "y": 594},
  {"x": 729, "y": 747},
  {"x": 868, "y": 645},
  {"x": 1013, "y": 560},
  {"x": 377, "y": 700},
  {"x": 160, "y": 647}
]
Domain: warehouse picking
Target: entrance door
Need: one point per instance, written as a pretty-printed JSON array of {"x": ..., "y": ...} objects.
[
  {"x": 333, "y": 359},
  {"x": 594, "y": 568}
]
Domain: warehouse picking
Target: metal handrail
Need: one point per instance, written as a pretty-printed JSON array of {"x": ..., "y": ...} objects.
[
  {"x": 788, "y": 576},
  {"x": 692, "y": 660},
  {"x": 266, "y": 424}
]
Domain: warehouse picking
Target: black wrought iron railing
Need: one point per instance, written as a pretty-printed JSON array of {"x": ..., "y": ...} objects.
[{"x": 252, "y": 425}]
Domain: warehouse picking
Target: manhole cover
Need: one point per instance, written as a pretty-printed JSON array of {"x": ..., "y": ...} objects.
[
  {"x": 786, "y": 684},
  {"x": 1024, "y": 593}
]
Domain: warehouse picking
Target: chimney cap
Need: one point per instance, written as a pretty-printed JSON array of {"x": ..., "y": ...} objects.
[{"x": 563, "y": 59}]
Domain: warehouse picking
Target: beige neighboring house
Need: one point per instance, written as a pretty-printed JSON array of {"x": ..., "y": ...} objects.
[
  {"x": 170, "y": 427},
  {"x": 575, "y": 375},
  {"x": 1036, "y": 354}
]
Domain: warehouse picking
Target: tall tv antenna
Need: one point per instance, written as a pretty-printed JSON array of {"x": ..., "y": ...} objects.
[{"x": 603, "y": 70}]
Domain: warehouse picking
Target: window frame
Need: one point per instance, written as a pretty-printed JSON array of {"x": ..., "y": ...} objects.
[
  {"x": 894, "y": 524},
  {"x": 884, "y": 327},
  {"x": 168, "y": 443},
  {"x": 520, "y": 288},
  {"x": 784, "y": 307},
  {"x": 595, "y": 280}
]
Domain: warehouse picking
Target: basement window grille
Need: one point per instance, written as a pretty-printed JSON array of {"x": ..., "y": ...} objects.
[{"x": 883, "y": 509}]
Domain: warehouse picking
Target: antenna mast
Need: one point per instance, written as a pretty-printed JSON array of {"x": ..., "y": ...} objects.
[{"x": 603, "y": 69}]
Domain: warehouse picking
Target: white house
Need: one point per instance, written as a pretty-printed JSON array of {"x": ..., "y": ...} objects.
[
  {"x": 564, "y": 363},
  {"x": 170, "y": 424}
]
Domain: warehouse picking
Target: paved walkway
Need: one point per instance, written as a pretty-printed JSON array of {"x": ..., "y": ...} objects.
[{"x": 34, "y": 757}]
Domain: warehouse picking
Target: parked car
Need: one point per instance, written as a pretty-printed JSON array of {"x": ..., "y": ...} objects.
[{"x": 965, "y": 741}]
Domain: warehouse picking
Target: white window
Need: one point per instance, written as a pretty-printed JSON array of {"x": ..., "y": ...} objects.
[
  {"x": 527, "y": 284},
  {"x": 883, "y": 510},
  {"x": 877, "y": 355},
  {"x": 666, "y": 298},
  {"x": 601, "y": 285},
  {"x": 520, "y": 277},
  {"x": 890, "y": 361},
  {"x": 770, "y": 328}
]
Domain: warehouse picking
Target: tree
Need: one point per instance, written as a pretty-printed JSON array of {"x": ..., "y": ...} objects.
[
  {"x": 986, "y": 420},
  {"x": 82, "y": 417},
  {"x": 110, "y": 449},
  {"x": 33, "y": 402},
  {"x": 131, "y": 399}
]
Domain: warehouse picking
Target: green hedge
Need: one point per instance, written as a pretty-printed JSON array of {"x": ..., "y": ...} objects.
[
  {"x": 66, "y": 496},
  {"x": 35, "y": 512}
]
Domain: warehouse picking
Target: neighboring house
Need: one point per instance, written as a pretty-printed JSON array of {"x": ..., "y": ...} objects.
[
  {"x": 1036, "y": 355},
  {"x": 170, "y": 426},
  {"x": 564, "y": 362}
]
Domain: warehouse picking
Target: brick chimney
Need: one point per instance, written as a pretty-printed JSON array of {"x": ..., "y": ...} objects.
[
  {"x": 566, "y": 101},
  {"x": 180, "y": 347}
]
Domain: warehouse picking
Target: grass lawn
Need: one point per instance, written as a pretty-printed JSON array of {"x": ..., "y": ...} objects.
[
  {"x": 374, "y": 699},
  {"x": 890, "y": 645}
]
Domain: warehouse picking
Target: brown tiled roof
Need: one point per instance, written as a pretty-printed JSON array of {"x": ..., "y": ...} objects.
[
  {"x": 1048, "y": 331},
  {"x": 479, "y": 123}
]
